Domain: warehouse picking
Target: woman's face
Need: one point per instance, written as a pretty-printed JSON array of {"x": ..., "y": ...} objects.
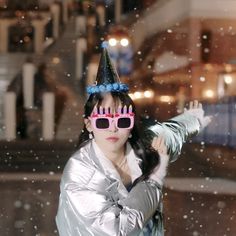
[{"x": 112, "y": 139}]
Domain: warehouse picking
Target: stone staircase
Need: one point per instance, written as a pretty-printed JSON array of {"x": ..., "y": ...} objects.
[
  {"x": 10, "y": 65},
  {"x": 29, "y": 156},
  {"x": 71, "y": 120},
  {"x": 60, "y": 61},
  {"x": 64, "y": 49}
]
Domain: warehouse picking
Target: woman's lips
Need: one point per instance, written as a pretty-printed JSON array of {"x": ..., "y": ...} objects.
[{"x": 112, "y": 139}]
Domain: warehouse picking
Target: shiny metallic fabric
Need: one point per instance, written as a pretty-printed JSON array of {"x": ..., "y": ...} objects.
[
  {"x": 94, "y": 201},
  {"x": 176, "y": 132}
]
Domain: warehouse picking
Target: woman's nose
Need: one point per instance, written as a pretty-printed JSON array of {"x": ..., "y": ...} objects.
[{"x": 113, "y": 127}]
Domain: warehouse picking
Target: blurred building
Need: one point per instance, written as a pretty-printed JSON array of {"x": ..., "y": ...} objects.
[{"x": 191, "y": 44}]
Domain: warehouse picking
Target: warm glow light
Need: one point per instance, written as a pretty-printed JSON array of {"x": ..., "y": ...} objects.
[
  {"x": 228, "y": 79},
  {"x": 112, "y": 42},
  {"x": 148, "y": 94},
  {"x": 56, "y": 60},
  {"x": 228, "y": 68},
  {"x": 209, "y": 93},
  {"x": 202, "y": 79},
  {"x": 131, "y": 96},
  {"x": 124, "y": 42},
  {"x": 138, "y": 95},
  {"x": 208, "y": 67},
  {"x": 166, "y": 98}
]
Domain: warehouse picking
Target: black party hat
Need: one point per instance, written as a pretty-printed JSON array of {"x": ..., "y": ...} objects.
[
  {"x": 107, "y": 73},
  {"x": 107, "y": 79}
]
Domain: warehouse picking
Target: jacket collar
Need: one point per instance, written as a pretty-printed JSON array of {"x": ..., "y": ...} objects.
[{"x": 108, "y": 167}]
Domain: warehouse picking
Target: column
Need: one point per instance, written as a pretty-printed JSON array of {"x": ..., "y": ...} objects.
[
  {"x": 194, "y": 47},
  {"x": 91, "y": 37},
  {"x": 48, "y": 116},
  {"x": 118, "y": 11},
  {"x": 38, "y": 35},
  {"x": 100, "y": 9},
  {"x": 92, "y": 72},
  {"x": 4, "y": 37},
  {"x": 81, "y": 48},
  {"x": 10, "y": 115},
  {"x": 28, "y": 71},
  {"x": 65, "y": 11},
  {"x": 194, "y": 40},
  {"x": 196, "y": 86},
  {"x": 80, "y": 25},
  {"x": 55, "y": 10}
]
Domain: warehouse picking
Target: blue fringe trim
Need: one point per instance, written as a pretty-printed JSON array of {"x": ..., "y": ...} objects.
[{"x": 115, "y": 87}]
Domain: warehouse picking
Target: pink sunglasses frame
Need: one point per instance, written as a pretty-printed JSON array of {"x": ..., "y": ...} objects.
[{"x": 111, "y": 118}]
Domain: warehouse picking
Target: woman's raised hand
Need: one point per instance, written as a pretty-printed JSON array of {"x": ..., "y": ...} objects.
[
  {"x": 195, "y": 109},
  {"x": 158, "y": 143},
  {"x": 159, "y": 173}
]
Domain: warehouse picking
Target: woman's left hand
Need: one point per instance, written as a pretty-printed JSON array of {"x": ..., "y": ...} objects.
[
  {"x": 158, "y": 143},
  {"x": 160, "y": 171},
  {"x": 195, "y": 109}
]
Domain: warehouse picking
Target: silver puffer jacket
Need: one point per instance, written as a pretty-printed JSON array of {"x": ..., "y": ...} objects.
[{"x": 94, "y": 201}]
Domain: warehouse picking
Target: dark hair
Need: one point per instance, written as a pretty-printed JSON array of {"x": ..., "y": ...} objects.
[{"x": 150, "y": 157}]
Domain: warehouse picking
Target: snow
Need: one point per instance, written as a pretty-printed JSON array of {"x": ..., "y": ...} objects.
[{"x": 202, "y": 185}]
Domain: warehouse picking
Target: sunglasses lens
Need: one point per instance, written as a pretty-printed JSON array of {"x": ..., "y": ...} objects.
[
  {"x": 102, "y": 123},
  {"x": 124, "y": 123}
]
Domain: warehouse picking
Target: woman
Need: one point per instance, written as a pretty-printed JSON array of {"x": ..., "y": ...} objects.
[{"x": 112, "y": 184}]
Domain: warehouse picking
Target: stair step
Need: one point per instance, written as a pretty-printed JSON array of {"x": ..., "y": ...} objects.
[{"x": 33, "y": 156}]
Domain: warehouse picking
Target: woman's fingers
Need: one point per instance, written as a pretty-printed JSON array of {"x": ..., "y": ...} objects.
[
  {"x": 163, "y": 148},
  {"x": 191, "y": 105},
  {"x": 155, "y": 143},
  {"x": 200, "y": 105},
  {"x": 195, "y": 104},
  {"x": 161, "y": 142},
  {"x": 158, "y": 144}
]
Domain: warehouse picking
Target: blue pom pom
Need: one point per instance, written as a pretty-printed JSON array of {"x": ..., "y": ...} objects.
[
  {"x": 88, "y": 89},
  {"x": 102, "y": 88},
  {"x": 122, "y": 86},
  {"x": 96, "y": 89},
  {"x": 115, "y": 86},
  {"x": 93, "y": 89},
  {"x": 125, "y": 87},
  {"x": 109, "y": 87}
]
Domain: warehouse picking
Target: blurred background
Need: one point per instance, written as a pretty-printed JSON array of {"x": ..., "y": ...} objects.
[{"x": 168, "y": 51}]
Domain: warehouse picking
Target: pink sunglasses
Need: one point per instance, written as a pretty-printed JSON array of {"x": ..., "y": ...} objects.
[{"x": 104, "y": 121}]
